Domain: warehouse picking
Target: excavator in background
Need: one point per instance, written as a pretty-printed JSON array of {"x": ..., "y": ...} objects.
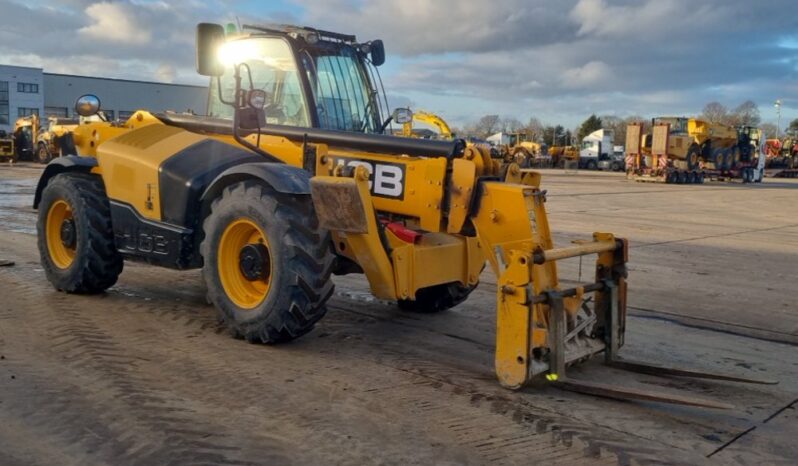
[
  {"x": 689, "y": 150},
  {"x": 420, "y": 116},
  {"x": 279, "y": 190}
]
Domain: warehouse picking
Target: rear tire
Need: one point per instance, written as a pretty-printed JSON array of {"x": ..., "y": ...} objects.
[
  {"x": 42, "y": 154},
  {"x": 286, "y": 301},
  {"x": 436, "y": 298},
  {"x": 75, "y": 235},
  {"x": 692, "y": 157}
]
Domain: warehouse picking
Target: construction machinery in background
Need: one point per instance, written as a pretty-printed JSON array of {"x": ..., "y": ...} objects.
[
  {"x": 690, "y": 151},
  {"x": 431, "y": 119},
  {"x": 280, "y": 192},
  {"x": 782, "y": 157},
  {"x": 520, "y": 149},
  {"x": 26, "y": 131},
  {"x": 33, "y": 141},
  {"x": 564, "y": 156},
  {"x": 8, "y": 152},
  {"x": 55, "y": 139}
]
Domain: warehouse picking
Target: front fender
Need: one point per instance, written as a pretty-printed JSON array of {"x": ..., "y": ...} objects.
[
  {"x": 282, "y": 178},
  {"x": 69, "y": 163}
]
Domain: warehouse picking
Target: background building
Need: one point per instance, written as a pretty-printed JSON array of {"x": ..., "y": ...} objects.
[{"x": 24, "y": 91}]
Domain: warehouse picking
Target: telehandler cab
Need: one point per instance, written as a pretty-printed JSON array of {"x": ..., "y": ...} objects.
[{"x": 290, "y": 180}]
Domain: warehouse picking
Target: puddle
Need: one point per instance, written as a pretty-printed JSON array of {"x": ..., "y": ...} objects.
[{"x": 16, "y": 200}]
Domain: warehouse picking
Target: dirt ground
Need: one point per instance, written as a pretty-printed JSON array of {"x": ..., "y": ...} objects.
[{"x": 144, "y": 375}]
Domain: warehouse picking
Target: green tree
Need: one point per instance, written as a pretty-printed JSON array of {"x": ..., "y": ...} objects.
[
  {"x": 593, "y": 123},
  {"x": 554, "y": 135},
  {"x": 793, "y": 127}
]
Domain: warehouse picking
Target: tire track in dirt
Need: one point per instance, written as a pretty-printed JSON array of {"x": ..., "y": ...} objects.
[
  {"x": 128, "y": 411},
  {"x": 397, "y": 382},
  {"x": 485, "y": 429}
]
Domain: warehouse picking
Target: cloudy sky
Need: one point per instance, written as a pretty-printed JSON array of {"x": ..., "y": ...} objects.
[{"x": 558, "y": 60}]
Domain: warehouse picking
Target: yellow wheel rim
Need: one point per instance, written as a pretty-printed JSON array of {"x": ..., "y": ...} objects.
[
  {"x": 62, "y": 249},
  {"x": 245, "y": 292}
]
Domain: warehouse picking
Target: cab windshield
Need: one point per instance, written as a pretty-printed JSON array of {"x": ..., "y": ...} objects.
[
  {"x": 273, "y": 69},
  {"x": 341, "y": 89},
  {"x": 338, "y": 80},
  {"x": 678, "y": 125}
]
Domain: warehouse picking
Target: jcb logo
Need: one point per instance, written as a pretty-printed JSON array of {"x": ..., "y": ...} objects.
[{"x": 385, "y": 179}]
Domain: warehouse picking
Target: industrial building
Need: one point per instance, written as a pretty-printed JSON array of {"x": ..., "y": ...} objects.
[{"x": 25, "y": 91}]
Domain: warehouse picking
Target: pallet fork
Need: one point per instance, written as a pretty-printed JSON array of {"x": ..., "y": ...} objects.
[{"x": 541, "y": 328}]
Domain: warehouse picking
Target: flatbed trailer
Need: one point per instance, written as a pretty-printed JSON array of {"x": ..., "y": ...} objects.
[
  {"x": 658, "y": 167},
  {"x": 781, "y": 173}
]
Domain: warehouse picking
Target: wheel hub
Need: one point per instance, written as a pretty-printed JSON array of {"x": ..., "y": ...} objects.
[
  {"x": 68, "y": 234},
  {"x": 253, "y": 260}
]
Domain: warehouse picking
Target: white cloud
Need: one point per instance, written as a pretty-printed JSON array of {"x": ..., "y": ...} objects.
[
  {"x": 115, "y": 22},
  {"x": 559, "y": 61},
  {"x": 166, "y": 73},
  {"x": 592, "y": 74},
  {"x": 650, "y": 17}
]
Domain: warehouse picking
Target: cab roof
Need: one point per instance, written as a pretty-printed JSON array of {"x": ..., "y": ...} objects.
[{"x": 301, "y": 31}]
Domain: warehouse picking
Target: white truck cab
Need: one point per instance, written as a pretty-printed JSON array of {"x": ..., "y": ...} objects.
[{"x": 596, "y": 146}]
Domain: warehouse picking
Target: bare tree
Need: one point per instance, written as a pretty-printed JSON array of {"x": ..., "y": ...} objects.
[
  {"x": 715, "y": 112},
  {"x": 745, "y": 114},
  {"x": 534, "y": 128},
  {"x": 486, "y": 126},
  {"x": 618, "y": 127},
  {"x": 511, "y": 125}
]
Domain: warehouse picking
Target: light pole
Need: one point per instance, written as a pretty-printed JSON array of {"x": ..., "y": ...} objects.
[{"x": 777, "y": 104}]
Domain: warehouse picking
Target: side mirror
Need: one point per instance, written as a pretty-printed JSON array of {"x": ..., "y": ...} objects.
[
  {"x": 87, "y": 105},
  {"x": 209, "y": 37},
  {"x": 402, "y": 115},
  {"x": 377, "y": 52}
]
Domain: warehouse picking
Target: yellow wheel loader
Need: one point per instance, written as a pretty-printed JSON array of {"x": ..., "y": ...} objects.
[
  {"x": 291, "y": 180},
  {"x": 55, "y": 139},
  {"x": 519, "y": 149}
]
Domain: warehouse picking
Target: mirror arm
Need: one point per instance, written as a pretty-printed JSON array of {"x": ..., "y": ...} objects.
[
  {"x": 219, "y": 90},
  {"x": 236, "y": 135},
  {"x": 385, "y": 125}
]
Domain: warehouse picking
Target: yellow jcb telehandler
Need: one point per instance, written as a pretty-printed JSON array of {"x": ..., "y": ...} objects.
[{"x": 292, "y": 180}]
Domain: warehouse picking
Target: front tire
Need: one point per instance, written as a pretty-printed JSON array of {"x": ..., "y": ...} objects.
[
  {"x": 267, "y": 264},
  {"x": 75, "y": 236}
]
